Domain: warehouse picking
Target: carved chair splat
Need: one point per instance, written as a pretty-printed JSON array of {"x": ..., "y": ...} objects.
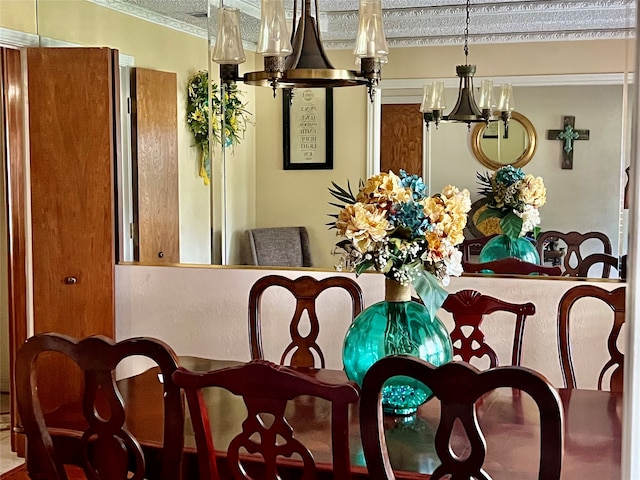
[
  {"x": 102, "y": 447},
  {"x": 513, "y": 266},
  {"x": 469, "y": 308},
  {"x": 266, "y": 389},
  {"x": 458, "y": 386},
  {"x": 306, "y": 290},
  {"x": 574, "y": 240},
  {"x": 615, "y": 299}
]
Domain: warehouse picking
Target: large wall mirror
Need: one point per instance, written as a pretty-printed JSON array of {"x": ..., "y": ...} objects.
[
  {"x": 498, "y": 144},
  {"x": 253, "y": 190}
]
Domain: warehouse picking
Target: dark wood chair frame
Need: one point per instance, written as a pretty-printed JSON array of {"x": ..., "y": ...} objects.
[
  {"x": 512, "y": 266},
  {"x": 266, "y": 388},
  {"x": 105, "y": 449},
  {"x": 469, "y": 243},
  {"x": 458, "y": 386},
  {"x": 615, "y": 299},
  {"x": 573, "y": 241},
  {"x": 306, "y": 290},
  {"x": 605, "y": 259},
  {"x": 469, "y": 308}
]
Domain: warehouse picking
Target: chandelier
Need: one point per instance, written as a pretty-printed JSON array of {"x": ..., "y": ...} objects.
[
  {"x": 299, "y": 60},
  {"x": 466, "y": 109}
]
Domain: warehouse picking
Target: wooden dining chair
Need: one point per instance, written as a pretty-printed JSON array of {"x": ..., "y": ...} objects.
[
  {"x": 458, "y": 386},
  {"x": 96, "y": 438},
  {"x": 472, "y": 246},
  {"x": 469, "y": 308},
  {"x": 615, "y": 299},
  {"x": 574, "y": 241},
  {"x": 303, "y": 351},
  {"x": 511, "y": 265},
  {"x": 266, "y": 388},
  {"x": 606, "y": 261}
]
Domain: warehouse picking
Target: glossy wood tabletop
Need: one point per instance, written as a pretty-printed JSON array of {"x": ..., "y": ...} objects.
[{"x": 508, "y": 419}]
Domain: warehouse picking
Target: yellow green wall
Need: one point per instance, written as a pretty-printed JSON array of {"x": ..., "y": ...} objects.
[{"x": 19, "y": 15}]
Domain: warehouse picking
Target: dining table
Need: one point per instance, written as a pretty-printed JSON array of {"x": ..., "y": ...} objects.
[{"x": 508, "y": 418}]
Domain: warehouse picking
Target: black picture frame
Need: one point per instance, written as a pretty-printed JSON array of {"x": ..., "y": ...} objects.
[{"x": 307, "y": 127}]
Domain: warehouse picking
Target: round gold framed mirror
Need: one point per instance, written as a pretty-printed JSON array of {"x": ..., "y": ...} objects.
[{"x": 494, "y": 146}]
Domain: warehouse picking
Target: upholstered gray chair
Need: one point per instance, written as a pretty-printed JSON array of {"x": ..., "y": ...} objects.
[{"x": 279, "y": 247}]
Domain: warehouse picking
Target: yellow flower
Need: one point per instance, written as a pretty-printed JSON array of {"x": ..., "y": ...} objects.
[
  {"x": 533, "y": 191},
  {"x": 363, "y": 225},
  {"x": 198, "y": 116},
  {"x": 383, "y": 190},
  {"x": 434, "y": 208}
]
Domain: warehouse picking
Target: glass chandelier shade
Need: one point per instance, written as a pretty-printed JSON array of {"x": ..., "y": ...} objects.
[
  {"x": 370, "y": 41},
  {"x": 228, "y": 48},
  {"x": 274, "y": 36},
  {"x": 299, "y": 61}
]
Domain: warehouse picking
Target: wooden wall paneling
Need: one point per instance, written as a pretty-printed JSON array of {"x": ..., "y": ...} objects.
[
  {"x": 72, "y": 200},
  {"x": 155, "y": 166},
  {"x": 14, "y": 164},
  {"x": 401, "y": 138}
]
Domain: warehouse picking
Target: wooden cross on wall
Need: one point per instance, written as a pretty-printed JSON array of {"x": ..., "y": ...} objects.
[{"x": 568, "y": 135}]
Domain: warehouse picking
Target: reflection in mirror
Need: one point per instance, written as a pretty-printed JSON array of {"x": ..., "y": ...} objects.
[
  {"x": 495, "y": 145},
  {"x": 261, "y": 194}
]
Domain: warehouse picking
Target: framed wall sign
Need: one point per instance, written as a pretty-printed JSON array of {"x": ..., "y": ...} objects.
[{"x": 307, "y": 129}]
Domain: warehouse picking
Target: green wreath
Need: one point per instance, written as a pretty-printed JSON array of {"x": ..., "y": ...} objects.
[{"x": 236, "y": 117}]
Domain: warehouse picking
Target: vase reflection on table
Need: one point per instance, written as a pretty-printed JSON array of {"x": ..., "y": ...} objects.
[
  {"x": 394, "y": 227},
  {"x": 396, "y": 326}
]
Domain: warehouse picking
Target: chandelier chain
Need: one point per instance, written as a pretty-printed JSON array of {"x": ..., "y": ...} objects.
[{"x": 466, "y": 34}]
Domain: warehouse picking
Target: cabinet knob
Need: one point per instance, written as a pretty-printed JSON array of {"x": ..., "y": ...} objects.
[
  {"x": 161, "y": 254},
  {"x": 71, "y": 280}
]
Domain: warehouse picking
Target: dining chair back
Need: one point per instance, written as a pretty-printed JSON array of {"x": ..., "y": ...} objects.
[
  {"x": 279, "y": 247},
  {"x": 511, "y": 265},
  {"x": 615, "y": 299},
  {"x": 469, "y": 308},
  {"x": 605, "y": 261},
  {"x": 472, "y": 246},
  {"x": 266, "y": 389},
  {"x": 458, "y": 386},
  {"x": 96, "y": 438},
  {"x": 574, "y": 241},
  {"x": 303, "y": 350}
]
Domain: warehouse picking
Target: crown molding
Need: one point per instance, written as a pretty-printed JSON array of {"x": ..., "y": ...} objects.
[{"x": 16, "y": 39}]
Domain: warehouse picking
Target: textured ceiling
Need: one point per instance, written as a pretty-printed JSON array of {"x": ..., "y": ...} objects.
[{"x": 418, "y": 22}]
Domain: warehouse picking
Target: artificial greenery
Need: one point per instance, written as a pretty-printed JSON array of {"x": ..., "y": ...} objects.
[{"x": 236, "y": 117}]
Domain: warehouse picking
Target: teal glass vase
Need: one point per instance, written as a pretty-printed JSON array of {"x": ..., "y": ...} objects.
[
  {"x": 503, "y": 246},
  {"x": 394, "y": 328}
]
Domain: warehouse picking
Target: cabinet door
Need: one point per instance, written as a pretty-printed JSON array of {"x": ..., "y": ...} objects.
[
  {"x": 401, "y": 139},
  {"x": 155, "y": 166},
  {"x": 71, "y": 142}
]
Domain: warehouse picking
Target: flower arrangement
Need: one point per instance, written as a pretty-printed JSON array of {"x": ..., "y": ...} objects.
[
  {"x": 394, "y": 227},
  {"x": 514, "y": 198},
  {"x": 236, "y": 117}
]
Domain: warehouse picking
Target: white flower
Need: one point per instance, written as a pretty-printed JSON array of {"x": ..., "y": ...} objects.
[
  {"x": 453, "y": 263},
  {"x": 530, "y": 219}
]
